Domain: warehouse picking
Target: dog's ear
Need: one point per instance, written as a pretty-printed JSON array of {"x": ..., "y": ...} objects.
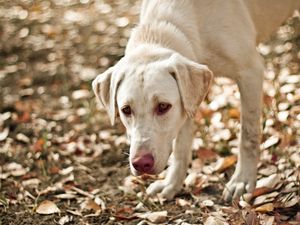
[
  {"x": 105, "y": 87},
  {"x": 193, "y": 81}
]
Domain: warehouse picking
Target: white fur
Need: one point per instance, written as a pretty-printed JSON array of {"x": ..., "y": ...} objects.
[{"x": 162, "y": 64}]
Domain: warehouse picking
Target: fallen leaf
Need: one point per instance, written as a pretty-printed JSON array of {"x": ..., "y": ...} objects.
[
  {"x": 54, "y": 170},
  {"x": 269, "y": 207},
  {"x": 129, "y": 185},
  {"x": 191, "y": 179},
  {"x": 244, "y": 204},
  {"x": 154, "y": 217},
  {"x": 82, "y": 192},
  {"x": 252, "y": 218},
  {"x": 295, "y": 157},
  {"x": 74, "y": 212},
  {"x": 182, "y": 202},
  {"x": 34, "y": 182},
  {"x": 207, "y": 203},
  {"x": 269, "y": 170},
  {"x": 291, "y": 202},
  {"x": 47, "y": 207},
  {"x": 265, "y": 198},
  {"x": 197, "y": 164},
  {"x": 90, "y": 204},
  {"x": 39, "y": 145},
  {"x": 234, "y": 113},
  {"x": 261, "y": 191},
  {"x": 273, "y": 140},
  {"x": 224, "y": 163},
  {"x": 206, "y": 154},
  {"x": 25, "y": 117},
  {"x": 22, "y": 138},
  {"x": 66, "y": 196},
  {"x": 65, "y": 219},
  {"x": 80, "y": 94},
  {"x": 297, "y": 217},
  {"x": 66, "y": 171},
  {"x": 126, "y": 213},
  {"x": 4, "y": 134},
  {"x": 283, "y": 116},
  {"x": 287, "y": 88},
  {"x": 268, "y": 220},
  {"x": 211, "y": 220},
  {"x": 268, "y": 182}
]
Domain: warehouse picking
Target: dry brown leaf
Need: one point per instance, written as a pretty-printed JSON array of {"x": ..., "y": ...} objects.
[
  {"x": 267, "y": 220},
  {"x": 295, "y": 157},
  {"x": 66, "y": 196},
  {"x": 291, "y": 202},
  {"x": 207, "y": 203},
  {"x": 206, "y": 154},
  {"x": 268, "y": 170},
  {"x": 54, "y": 170},
  {"x": 154, "y": 217},
  {"x": 126, "y": 213},
  {"x": 197, "y": 164},
  {"x": 34, "y": 182},
  {"x": 25, "y": 117},
  {"x": 129, "y": 185},
  {"x": 211, "y": 220},
  {"x": 297, "y": 217},
  {"x": 15, "y": 169},
  {"x": 4, "y": 134},
  {"x": 65, "y": 219},
  {"x": 269, "y": 207},
  {"x": 234, "y": 113},
  {"x": 265, "y": 198},
  {"x": 252, "y": 218},
  {"x": 182, "y": 202},
  {"x": 47, "y": 207},
  {"x": 39, "y": 145},
  {"x": 260, "y": 191},
  {"x": 191, "y": 179},
  {"x": 22, "y": 138},
  {"x": 80, "y": 94},
  {"x": 225, "y": 163},
  {"x": 273, "y": 140},
  {"x": 268, "y": 182},
  {"x": 82, "y": 192},
  {"x": 90, "y": 204}
]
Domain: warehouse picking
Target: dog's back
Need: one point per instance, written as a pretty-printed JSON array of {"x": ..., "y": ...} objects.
[{"x": 268, "y": 15}]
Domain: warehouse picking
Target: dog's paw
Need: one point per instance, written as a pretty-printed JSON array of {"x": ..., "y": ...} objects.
[
  {"x": 239, "y": 184},
  {"x": 165, "y": 189}
]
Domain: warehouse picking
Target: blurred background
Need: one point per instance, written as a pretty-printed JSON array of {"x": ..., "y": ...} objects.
[{"x": 57, "y": 145}]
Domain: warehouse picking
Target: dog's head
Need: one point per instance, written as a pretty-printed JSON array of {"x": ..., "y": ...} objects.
[{"x": 153, "y": 93}]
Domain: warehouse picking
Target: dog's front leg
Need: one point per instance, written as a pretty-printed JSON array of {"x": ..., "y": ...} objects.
[
  {"x": 180, "y": 160},
  {"x": 244, "y": 177}
]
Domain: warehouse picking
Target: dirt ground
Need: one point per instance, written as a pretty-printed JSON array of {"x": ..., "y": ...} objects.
[{"x": 62, "y": 163}]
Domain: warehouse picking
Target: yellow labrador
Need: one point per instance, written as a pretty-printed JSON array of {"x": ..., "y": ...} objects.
[{"x": 166, "y": 72}]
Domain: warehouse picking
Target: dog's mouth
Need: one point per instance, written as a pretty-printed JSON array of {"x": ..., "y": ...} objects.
[
  {"x": 153, "y": 172},
  {"x": 137, "y": 173}
]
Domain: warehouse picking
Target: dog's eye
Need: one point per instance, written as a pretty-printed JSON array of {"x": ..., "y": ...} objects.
[
  {"x": 162, "y": 108},
  {"x": 126, "y": 110}
]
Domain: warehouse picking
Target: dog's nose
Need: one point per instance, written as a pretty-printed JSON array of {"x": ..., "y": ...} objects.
[{"x": 144, "y": 163}]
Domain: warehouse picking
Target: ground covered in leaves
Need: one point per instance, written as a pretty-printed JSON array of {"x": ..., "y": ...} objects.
[{"x": 62, "y": 163}]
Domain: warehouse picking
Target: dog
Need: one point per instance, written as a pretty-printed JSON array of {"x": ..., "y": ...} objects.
[{"x": 170, "y": 60}]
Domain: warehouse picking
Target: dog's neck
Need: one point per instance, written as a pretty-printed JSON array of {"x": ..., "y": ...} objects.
[{"x": 161, "y": 34}]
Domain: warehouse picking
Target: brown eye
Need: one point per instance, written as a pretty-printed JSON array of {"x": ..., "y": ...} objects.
[
  {"x": 126, "y": 110},
  {"x": 162, "y": 108}
]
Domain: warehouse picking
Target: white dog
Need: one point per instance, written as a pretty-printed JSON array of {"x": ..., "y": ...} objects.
[{"x": 167, "y": 70}]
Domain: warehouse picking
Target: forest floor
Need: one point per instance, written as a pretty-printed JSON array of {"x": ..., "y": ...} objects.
[{"x": 62, "y": 163}]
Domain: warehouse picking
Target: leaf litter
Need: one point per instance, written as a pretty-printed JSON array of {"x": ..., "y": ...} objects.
[{"x": 62, "y": 163}]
